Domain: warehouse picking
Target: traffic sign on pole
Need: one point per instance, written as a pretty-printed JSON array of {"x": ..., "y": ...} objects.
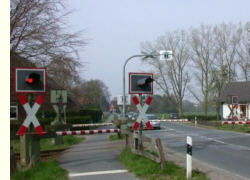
[
  {"x": 31, "y": 118},
  {"x": 142, "y": 113}
]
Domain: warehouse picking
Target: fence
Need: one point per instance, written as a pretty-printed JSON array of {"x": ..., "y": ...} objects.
[{"x": 145, "y": 146}]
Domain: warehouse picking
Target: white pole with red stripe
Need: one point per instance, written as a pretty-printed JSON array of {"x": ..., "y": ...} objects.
[
  {"x": 90, "y": 125},
  {"x": 31, "y": 118},
  {"x": 85, "y": 132},
  {"x": 170, "y": 120},
  {"x": 236, "y": 122}
]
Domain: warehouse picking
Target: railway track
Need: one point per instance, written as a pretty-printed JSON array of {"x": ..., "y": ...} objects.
[{"x": 45, "y": 154}]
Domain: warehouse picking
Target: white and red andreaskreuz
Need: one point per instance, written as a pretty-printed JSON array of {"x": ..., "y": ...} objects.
[
  {"x": 142, "y": 113},
  {"x": 31, "y": 118},
  {"x": 84, "y": 132}
]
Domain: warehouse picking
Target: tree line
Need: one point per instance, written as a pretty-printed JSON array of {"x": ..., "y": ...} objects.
[
  {"x": 39, "y": 33},
  {"x": 206, "y": 58}
]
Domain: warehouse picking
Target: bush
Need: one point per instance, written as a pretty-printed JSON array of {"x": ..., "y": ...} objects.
[
  {"x": 200, "y": 117},
  {"x": 95, "y": 114},
  {"x": 79, "y": 120}
]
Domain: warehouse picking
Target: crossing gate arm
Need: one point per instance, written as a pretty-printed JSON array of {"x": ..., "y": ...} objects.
[
  {"x": 170, "y": 120},
  {"x": 235, "y": 122},
  {"x": 90, "y": 125},
  {"x": 85, "y": 132}
]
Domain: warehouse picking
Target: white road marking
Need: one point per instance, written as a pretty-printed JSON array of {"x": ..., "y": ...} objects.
[
  {"x": 98, "y": 173},
  {"x": 215, "y": 140}
]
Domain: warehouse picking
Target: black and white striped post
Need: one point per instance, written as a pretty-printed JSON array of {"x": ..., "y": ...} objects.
[{"x": 189, "y": 158}]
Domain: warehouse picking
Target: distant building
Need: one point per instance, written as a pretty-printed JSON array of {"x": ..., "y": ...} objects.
[{"x": 242, "y": 91}]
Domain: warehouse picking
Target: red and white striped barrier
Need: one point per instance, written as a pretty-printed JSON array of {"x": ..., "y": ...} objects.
[
  {"x": 84, "y": 132},
  {"x": 235, "y": 122},
  {"x": 31, "y": 118},
  {"x": 91, "y": 125},
  {"x": 170, "y": 120},
  {"x": 142, "y": 111}
]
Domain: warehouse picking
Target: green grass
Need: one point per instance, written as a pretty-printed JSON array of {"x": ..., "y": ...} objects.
[
  {"x": 149, "y": 170},
  {"x": 236, "y": 128},
  {"x": 47, "y": 144},
  {"x": 226, "y": 127},
  {"x": 115, "y": 137},
  {"x": 45, "y": 170}
]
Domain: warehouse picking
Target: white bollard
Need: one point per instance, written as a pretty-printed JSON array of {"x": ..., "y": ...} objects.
[
  {"x": 189, "y": 158},
  {"x": 195, "y": 121}
]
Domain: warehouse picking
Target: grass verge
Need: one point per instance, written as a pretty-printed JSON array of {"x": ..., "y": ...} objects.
[
  {"x": 236, "y": 128},
  {"x": 150, "y": 170},
  {"x": 47, "y": 144},
  {"x": 226, "y": 127},
  {"x": 115, "y": 137},
  {"x": 49, "y": 170}
]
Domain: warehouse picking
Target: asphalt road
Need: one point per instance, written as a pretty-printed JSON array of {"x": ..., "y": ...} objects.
[
  {"x": 226, "y": 150},
  {"x": 95, "y": 159}
]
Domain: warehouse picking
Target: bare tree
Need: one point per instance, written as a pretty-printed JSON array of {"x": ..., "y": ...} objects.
[
  {"x": 37, "y": 31},
  {"x": 203, "y": 56},
  {"x": 228, "y": 38},
  {"x": 95, "y": 94},
  {"x": 243, "y": 50},
  {"x": 64, "y": 70},
  {"x": 173, "y": 79}
]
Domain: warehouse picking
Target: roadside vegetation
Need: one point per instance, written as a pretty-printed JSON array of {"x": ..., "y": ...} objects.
[
  {"x": 236, "y": 128},
  {"x": 46, "y": 169},
  {"x": 149, "y": 170},
  {"x": 49, "y": 170},
  {"x": 48, "y": 144},
  {"x": 115, "y": 137}
]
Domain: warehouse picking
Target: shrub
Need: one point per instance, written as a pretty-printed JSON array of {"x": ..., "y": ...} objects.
[{"x": 200, "y": 117}]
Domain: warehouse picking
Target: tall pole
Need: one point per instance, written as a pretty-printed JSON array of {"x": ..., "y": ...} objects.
[
  {"x": 124, "y": 80},
  {"x": 164, "y": 55},
  {"x": 248, "y": 65}
]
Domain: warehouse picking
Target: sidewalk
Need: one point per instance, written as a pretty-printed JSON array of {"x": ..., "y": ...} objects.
[{"x": 95, "y": 158}]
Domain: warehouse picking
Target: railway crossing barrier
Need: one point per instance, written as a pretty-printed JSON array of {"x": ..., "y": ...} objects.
[
  {"x": 91, "y": 125},
  {"x": 85, "y": 132},
  {"x": 170, "y": 120},
  {"x": 236, "y": 122}
]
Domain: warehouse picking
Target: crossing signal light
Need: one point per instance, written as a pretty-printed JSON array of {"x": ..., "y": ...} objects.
[
  {"x": 140, "y": 83},
  {"x": 30, "y": 80},
  {"x": 33, "y": 79}
]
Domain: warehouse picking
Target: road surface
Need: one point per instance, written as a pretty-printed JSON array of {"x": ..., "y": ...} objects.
[
  {"x": 226, "y": 150},
  {"x": 95, "y": 159}
]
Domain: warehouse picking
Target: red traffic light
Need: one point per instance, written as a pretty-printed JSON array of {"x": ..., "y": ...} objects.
[
  {"x": 30, "y": 80},
  {"x": 33, "y": 78}
]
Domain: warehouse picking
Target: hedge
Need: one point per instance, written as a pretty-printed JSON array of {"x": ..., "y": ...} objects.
[{"x": 201, "y": 117}]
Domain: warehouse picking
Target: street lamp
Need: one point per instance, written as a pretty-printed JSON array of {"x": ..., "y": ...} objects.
[{"x": 163, "y": 54}]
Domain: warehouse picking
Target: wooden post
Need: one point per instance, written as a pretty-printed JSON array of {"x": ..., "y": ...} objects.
[
  {"x": 126, "y": 140},
  {"x": 13, "y": 165},
  {"x": 161, "y": 153},
  {"x": 24, "y": 150}
]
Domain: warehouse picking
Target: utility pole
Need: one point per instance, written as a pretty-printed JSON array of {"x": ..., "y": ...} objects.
[{"x": 248, "y": 65}]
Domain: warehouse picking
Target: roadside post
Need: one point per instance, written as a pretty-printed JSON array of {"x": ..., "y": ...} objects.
[
  {"x": 189, "y": 158},
  {"x": 58, "y": 99},
  {"x": 195, "y": 121},
  {"x": 30, "y": 81}
]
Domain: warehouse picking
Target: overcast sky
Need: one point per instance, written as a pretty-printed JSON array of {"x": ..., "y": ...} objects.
[{"x": 115, "y": 29}]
